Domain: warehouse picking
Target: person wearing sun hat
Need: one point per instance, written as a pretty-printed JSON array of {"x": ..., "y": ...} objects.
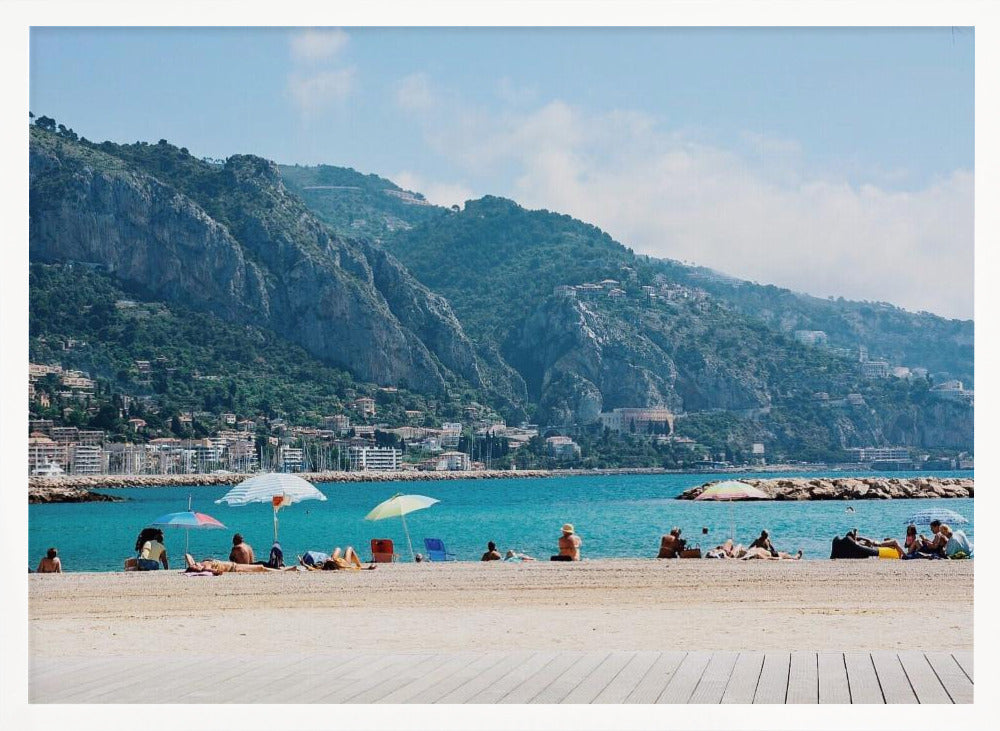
[{"x": 569, "y": 545}]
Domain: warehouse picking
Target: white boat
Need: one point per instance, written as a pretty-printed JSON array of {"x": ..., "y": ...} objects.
[{"x": 49, "y": 469}]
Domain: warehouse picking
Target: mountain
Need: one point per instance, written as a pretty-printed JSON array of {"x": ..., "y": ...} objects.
[
  {"x": 531, "y": 312},
  {"x": 230, "y": 239}
]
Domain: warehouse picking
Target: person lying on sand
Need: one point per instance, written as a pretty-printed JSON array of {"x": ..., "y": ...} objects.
[
  {"x": 727, "y": 550},
  {"x": 513, "y": 555},
  {"x": 758, "y": 552},
  {"x": 348, "y": 561},
  {"x": 221, "y": 567}
]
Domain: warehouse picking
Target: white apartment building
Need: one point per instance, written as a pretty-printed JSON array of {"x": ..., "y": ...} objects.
[
  {"x": 291, "y": 459},
  {"x": 451, "y": 432},
  {"x": 638, "y": 421},
  {"x": 374, "y": 459},
  {"x": 88, "y": 460}
]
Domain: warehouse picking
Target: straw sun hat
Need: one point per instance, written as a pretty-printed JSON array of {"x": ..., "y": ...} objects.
[{"x": 568, "y": 528}]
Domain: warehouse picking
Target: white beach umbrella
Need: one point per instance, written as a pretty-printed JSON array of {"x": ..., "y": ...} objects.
[
  {"x": 397, "y": 507},
  {"x": 278, "y": 488}
]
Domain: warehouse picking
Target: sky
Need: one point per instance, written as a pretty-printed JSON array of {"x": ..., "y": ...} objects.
[{"x": 832, "y": 161}]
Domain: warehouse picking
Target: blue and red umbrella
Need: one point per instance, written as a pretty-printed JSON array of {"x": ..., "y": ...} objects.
[{"x": 188, "y": 520}]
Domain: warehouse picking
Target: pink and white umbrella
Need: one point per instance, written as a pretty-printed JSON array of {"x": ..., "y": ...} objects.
[{"x": 730, "y": 490}]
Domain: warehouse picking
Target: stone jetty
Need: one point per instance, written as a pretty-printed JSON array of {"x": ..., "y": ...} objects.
[
  {"x": 64, "y": 494},
  {"x": 854, "y": 488},
  {"x": 62, "y": 488}
]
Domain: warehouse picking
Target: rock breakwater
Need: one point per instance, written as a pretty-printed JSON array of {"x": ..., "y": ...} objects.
[
  {"x": 855, "y": 488},
  {"x": 65, "y": 494}
]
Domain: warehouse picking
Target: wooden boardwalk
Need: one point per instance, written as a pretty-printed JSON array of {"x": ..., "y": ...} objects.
[{"x": 511, "y": 677}]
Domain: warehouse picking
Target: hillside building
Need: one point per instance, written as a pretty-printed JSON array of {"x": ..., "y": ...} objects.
[
  {"x": 374, "y": 459},
  {"x": 639, "y": 420}
]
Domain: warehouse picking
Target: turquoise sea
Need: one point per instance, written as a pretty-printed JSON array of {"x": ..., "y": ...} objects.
[{"x": 616, "y": 515}]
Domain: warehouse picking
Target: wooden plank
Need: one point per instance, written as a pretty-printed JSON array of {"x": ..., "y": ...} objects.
[
  {"x": 484, "y": 679},
  {"x": 531, "y": 687},
  {"x": 480, "y": 665},
  {"x": 833, "y": 685},
  {"x": 803, "y": 678},
  {"x": 109, "y": 675},
  {"x": 599, "y": 678},
  {"x": 712, "y": 685},
  {"x": 964, "y": 660},
  {"x": 923, "y": 679},
  {"x": 656, "y": 679},
  {"x": 431, "y": 677},
  {"x": 334, "y": 673},
  {"x": 743, "y": 680},
  {"x": 895, "y": 685},
  {"x": 685, "y": 678},
  {"x": 380, "y": 666},
  {"x": 57, "y": 668},
  {"x": 952, "y": 677},
  {"x": 404, "y": 675},
  {"x": 628, "y": 678},
  {"x": 562, "y": 686},
  {"x": 773, "y": 684},
  {"x": 862, "y": 679},
  {"x": 513, "y": 678}
]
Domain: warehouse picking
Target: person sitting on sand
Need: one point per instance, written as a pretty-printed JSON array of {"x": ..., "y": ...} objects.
[
  {"x": 153, "y": 552},
  {"x": 764, "y": 541},
  {"x": 492, "y": 554},
  {"x": 242, "y": 551},
  {"x": 348, "y": 561},
  {"x": 513, "y": 555},
  {"x": 671, "y": 544},
  {"x": 276, "y": 559},
  {"x": 222, "y": 567},
  {"x": 958, "y": 545},
  {"x": 50, "y": 564},
  {"x": 569, "y": 545}
]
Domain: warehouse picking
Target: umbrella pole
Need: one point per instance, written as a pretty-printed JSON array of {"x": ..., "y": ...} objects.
[
  {"x": 407, "y": 531},
  {"x": 275, "y": 525},
  {"x": 187, "y": 537}
]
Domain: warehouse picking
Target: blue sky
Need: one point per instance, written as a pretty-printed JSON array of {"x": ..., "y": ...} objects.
[{"x": 818, "y": 159}]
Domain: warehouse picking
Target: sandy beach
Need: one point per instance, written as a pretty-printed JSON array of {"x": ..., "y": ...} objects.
[{"x": 471, "y": 606}]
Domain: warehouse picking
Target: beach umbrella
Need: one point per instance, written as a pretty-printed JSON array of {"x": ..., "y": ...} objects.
[
  {"x": 730, "y": 490},
  {"x": 278, "y": 488},
  {"x": 924, "y": 517},
  {"x": 398, "y": 506},
  {"x": 188, "y": 520}
]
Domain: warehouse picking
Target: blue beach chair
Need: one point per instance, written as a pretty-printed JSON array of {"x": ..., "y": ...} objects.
[{"x": 436, "y": 551}]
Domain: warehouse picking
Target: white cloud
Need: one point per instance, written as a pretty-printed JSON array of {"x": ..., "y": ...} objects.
[
  {"x": 317, "y": 45},
  {"x": 413, "y": 93},
  {"x": 441, "y": 194},
  {"x": 755, "y": 211},
  {"x": 313, "y": 92}
]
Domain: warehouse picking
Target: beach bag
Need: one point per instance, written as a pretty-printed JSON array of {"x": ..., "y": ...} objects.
[
  {"x": 277, "y": 559},
  {"x": 690, "y": 553},
  {"x": 131, "y": 564},
  {"x": 315, "y": 558}
]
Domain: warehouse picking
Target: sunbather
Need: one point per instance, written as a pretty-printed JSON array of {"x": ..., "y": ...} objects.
[
  {"x": 349, "y": 560},
  {"x": 763, "y": 553},
  {"x": 727, "y": 550},
  {"x": 221, "y": 567},
  {"x": 513, "y": 555}
]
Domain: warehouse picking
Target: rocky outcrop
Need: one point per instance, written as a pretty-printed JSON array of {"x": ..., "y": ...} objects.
[
  {"x": 68, "y": 494},
  {"x": 245, "y": 249},
  {"x": 855, "y": 488}
]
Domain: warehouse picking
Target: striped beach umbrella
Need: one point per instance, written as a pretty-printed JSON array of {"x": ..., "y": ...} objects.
[
  {"x": 277, "y": 488},
  {"x": 926, "y": 516}
]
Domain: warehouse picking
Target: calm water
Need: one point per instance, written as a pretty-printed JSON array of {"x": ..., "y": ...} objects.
[{"x": 617, "y": 516}]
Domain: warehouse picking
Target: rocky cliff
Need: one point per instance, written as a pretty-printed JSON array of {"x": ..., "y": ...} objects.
[{"x": 230, "y": 239}]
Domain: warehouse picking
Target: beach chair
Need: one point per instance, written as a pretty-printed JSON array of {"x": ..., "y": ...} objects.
[
  {"x": 436, "y": 551},
  {"x": 383, "y": 551}
]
